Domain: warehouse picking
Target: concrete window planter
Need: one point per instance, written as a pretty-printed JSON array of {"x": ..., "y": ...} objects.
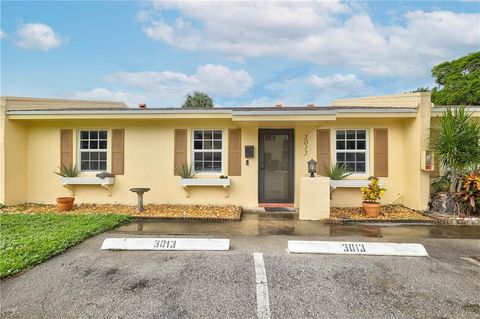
[
  {"x": 71, "y": 182},
  {"x": 206, "y": 182},
  {"x": 349, "y": 183}
]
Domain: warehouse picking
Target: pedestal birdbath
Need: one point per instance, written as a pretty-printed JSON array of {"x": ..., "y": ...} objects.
[{"x": 139, "y": 191}]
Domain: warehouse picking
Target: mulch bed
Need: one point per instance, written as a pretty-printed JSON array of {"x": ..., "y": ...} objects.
[
  {"x": 158, "y": 212},
  {"x": 389, "y": 214}
]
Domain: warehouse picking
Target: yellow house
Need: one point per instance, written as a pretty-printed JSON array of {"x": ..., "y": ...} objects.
[{"x": 263, "y": 151}]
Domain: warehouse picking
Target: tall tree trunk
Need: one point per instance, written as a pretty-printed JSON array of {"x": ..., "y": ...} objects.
[{"x": 454, "y": 181}]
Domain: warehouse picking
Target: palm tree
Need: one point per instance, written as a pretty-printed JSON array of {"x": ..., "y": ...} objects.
[
  {"x": 199, "y": 100},
  {"x": 458, "y": 144}
]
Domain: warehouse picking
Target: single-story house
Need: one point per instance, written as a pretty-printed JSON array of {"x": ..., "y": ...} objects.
[{"x": 263, "y": 151}]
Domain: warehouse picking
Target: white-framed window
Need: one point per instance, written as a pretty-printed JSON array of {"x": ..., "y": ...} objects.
[
  {"x": 208, "y": 151},
  {"x": 351, "y": 149},
  {"x": 93, "y": 146}
]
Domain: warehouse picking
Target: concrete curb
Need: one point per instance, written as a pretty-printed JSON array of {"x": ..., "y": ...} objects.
[{"x": 380, "y": 221}]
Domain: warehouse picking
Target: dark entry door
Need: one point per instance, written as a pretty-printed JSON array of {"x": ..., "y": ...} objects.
[{"x": 275, "y": 175}]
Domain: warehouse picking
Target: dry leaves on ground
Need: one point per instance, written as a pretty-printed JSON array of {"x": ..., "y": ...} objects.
[
  {"x": 164, "y": 210},
  {"x": 391, "y": 212}
]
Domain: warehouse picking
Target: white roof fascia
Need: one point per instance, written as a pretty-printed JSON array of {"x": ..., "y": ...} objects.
[{"x": 292, "y": 112}]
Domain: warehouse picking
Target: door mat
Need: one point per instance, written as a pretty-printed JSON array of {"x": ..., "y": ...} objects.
[{"x": 280, "y": 209}]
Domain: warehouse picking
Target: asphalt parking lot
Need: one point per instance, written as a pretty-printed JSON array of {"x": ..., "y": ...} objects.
[{"x": 85, "y": 282}]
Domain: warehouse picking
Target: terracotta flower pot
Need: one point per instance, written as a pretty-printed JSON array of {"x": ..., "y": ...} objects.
[
  {"x": 65, "y": 203},
  {"x": 371, "y": 209}
]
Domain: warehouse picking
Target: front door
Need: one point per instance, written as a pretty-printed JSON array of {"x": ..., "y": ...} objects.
[{"x": 275, "y": 176}]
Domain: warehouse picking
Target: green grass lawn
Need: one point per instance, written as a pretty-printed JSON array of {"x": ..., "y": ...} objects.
[{"x": 27, "y": 240}]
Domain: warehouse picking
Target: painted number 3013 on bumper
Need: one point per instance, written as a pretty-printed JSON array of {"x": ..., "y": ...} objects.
[
  {"x": 356, "y": 248},
  {"x": 165, "y": 244}
]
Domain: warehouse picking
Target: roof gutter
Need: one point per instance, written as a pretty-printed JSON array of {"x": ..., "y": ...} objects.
[
  {"x": 281, "y": 113},
  {"x": 236, "y": 115},
  {"x": 112, "y": 112}
]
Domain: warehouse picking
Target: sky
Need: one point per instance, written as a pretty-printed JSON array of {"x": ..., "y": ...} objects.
[{"x": 244, "y": 53}]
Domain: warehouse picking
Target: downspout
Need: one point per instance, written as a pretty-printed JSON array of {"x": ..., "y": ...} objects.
[{"x": 394, "y": 199}]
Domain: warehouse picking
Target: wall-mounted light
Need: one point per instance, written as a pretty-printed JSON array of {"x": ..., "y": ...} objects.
[{"x": 312, "y": 167}]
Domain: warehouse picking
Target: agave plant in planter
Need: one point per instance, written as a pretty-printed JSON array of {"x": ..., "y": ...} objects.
[
  {"x": 66, "y": 203},
  {"x": 185, "y": 171},
  {"x": 68, "y": 171},
  {"x": 371, "y": 194},
  {"x": 336, "y": 172}
]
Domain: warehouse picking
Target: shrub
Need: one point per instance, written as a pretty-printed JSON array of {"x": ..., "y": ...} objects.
[
  {"x": 470, "y": 192},
  {"x": 458, "y": 144}
]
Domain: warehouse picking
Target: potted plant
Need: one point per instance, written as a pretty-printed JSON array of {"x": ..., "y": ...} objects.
[
  {"x": 65, "y": 203},
  {"x": 371, "y": 194}
]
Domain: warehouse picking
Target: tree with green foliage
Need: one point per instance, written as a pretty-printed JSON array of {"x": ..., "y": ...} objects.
[
  {"x": 421, "y": 89},
  {"x": 458, "y": 144},
  {"x": 458, "y": 81},
  {"x": 198, "y": 100}
]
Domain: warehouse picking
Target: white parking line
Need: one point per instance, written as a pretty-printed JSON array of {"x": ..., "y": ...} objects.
[{"x": 263, "y": 304}]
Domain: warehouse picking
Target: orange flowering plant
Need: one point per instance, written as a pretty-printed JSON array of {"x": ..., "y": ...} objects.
[{"x": 373, "y": 192}]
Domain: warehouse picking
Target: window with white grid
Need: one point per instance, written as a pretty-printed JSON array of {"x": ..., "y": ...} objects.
[
  {"x": 93, "y": 150},
  {"x": 207, "y": 150},
  {"x": 351, "y": 150}
]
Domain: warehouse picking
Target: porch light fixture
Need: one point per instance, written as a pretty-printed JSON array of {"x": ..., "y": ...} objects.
[{"x": 312, "y": 167}]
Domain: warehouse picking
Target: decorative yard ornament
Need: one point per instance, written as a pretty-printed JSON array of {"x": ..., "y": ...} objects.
[{"x": 312, "y": 167}]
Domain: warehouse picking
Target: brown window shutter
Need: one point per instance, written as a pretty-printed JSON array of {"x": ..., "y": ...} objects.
[
  {"x": 434, "y": 132},
  {"x": 66, "y": 148},
  {"x": 118, "y": 150},
  {"x": 380, "y": 159},
  {"x": 180, "y": 145},
  {"x": 234, "y": 152},
  {"x": 323, "y": 150}
]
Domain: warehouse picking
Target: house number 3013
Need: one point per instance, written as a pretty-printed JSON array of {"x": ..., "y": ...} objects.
[
  {"x": 305, "y": 142},
  {"x": 165, "y": 244},
  {"x": 354, "y": 248}
]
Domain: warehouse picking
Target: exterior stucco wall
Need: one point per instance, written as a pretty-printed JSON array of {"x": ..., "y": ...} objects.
[
  {"x": 416, "y": 139},
  {"x": 347, "y": 197},
  {"x": 26, "y": 103},
  {"x": 13, "y": 161},
  {"x": 149, "y": 161},
  {"x": 394, "y": 100}
]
